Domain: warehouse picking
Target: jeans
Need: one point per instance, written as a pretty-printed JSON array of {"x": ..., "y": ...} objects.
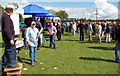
[
  {"x": 32, "y": 53},
  {"x": 108, "y": 39},
  {"x": 64, "y": 29},
  {"x": 90, "y": 36},
  {"x": 74, "y": 32},
  {"x": 117, "y": 48},
  {"x": 86, "y": 30},
  {"x": 52, "y": 41},
  {"x": 9, "y": 57},
  {"x": 25, "y": 43},
  {"x": 59, "y": 35},
  {"x": 81, "y": 35},
  {"x": 79, "y": 31},
  {"x": 70, "y": 29}
]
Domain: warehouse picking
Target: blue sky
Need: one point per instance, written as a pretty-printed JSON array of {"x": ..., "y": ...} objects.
[
  {"x": 72, "y": 4},
  {"x": 69, "y": 0},
  {"x": 76, "y": 8}
]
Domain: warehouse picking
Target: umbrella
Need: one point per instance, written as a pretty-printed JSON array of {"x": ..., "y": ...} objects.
[
  {"x": 45, "y": 15},
  {"x": 56, "y": 18},
  {"x": 33, "y": 9}
]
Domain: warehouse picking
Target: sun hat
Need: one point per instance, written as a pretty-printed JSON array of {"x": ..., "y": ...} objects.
[{"x": 9, "y": 7}]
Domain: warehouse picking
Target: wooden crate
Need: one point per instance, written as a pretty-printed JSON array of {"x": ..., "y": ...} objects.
[{"x": 13, "y": 71}]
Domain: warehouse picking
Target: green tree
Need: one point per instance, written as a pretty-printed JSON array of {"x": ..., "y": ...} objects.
[
  {"x": 83, "y": 19},
  {"x": 53, "y": 12},
  {"x": 62, "y": 14},
  {"x": 89, "y": 20}
]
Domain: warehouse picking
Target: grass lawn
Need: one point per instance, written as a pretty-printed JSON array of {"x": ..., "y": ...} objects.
[{"x": 72, "y": 57}]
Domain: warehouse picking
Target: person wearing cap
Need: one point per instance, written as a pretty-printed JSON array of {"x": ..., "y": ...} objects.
[
  {"x": 52, "y": 31},
  {"x": 32, "y": 39},
  {"x": 9, "y": 57}
]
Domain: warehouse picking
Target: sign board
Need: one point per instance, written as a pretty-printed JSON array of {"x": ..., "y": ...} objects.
[
  {"x": 19, "y": 43},
  {"x": 15, "y": 19}
]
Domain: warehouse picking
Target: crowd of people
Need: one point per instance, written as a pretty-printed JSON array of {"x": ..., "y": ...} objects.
[
  {"x": 105, "y": 30},
  {"x": 108, "y": 30}
]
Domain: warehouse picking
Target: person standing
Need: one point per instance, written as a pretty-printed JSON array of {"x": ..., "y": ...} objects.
[
  {"x": 103, "y": 28},
  {"x": 52, "y": 31},
  {"x": 32, "y": 39},
  {"x": 70, "y": 26},
  {"x": 117, "y": 40},
  {"x": 62, "y": 28},
  {"x": 108, "y": 39},
  {"x": 59, "y": 31},
  {"x": 99, "y": 31},
  {"x": 9, "y": 57},
  {"x": 82, "y": 27},
  {"x": 113, "y": 30},
  {"x": 86, "y": 26},
  {"x": 38, "y": 26},
  {"x": 67, "y": 26},
  {"x": 23, "y": 35},
  {"x": 74, "y": 28},
  {"x": 90, "y": 30},
  {"x": 94, "y": 27}
]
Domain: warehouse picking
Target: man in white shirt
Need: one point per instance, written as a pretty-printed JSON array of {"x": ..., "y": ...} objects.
[
  {"x": 32, "y": 35},
  {"x": 99, "y": 30}
]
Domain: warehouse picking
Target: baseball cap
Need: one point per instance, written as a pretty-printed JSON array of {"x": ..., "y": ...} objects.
[{"x": 33, "y": 23}]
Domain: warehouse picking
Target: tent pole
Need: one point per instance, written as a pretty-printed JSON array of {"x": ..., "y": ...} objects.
[{"x": 33, "y": 17}]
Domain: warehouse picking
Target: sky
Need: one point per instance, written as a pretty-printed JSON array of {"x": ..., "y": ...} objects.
[
  {"x": 107, "y": 9},
  {"x": 72, "y": 4}
]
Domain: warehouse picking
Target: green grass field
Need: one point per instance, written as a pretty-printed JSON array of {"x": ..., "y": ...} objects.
[{"x": 72, "y": 57}]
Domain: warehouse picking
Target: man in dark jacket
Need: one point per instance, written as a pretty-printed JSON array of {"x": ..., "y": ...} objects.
[
  {"x": 117, "y": 47},
  {"x": 82, "y": 27},
  {"x": 58, "y": 31},
  {"x": 38, "y": 26},
  {"x": 9, "y": 57}
]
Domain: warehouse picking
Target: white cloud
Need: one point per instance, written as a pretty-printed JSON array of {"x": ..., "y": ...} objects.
[
  {"x": 105, "y": 9},
  {"x": 76, "y": 12}
]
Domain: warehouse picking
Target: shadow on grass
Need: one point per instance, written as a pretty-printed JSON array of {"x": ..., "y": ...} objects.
[
  {"x": 65, "y": 34},
  {"x": 69, "y": 40},
  {"x": 88, "y": 42},
  {"x": 103, "y": 48},
  {"x": 95, "y": 59},
  {"x": 24, "y": 60},
  {"x": 45, "y": 47}
]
